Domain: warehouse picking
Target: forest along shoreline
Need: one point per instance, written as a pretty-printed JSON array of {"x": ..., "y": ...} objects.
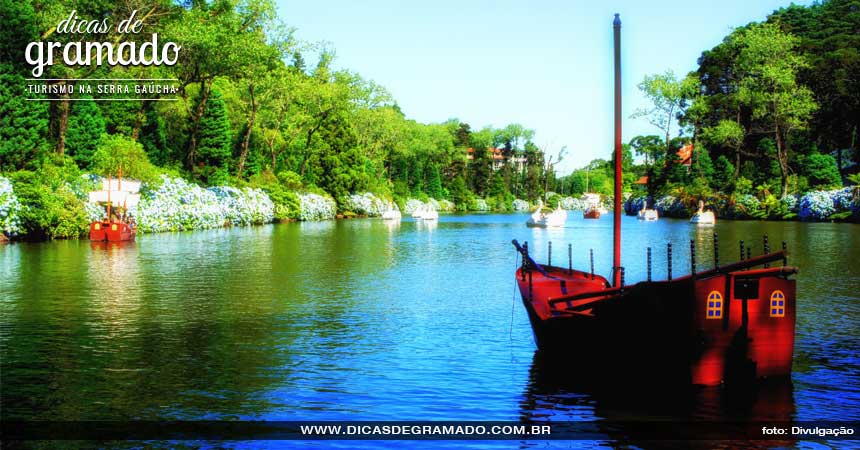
[
  {"x": 174, "y": 204},
  {"x": 764, "y": 128}
]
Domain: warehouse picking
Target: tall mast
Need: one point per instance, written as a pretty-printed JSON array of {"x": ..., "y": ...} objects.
[{"x": 616, "y": 261}]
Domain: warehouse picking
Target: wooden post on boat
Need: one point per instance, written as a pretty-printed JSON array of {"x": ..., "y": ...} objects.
[
  {"x": 591, "y": 256},
  {"x": 569, "y": 258},
  {"x": 693, "y": 258},
  {"x": 669, "y": 260},
  {"x": 766, "y": 250},
  {"x": 616, "y": 219},
  {"x": 741, "y": 243},
  {"x": 649, "y": 264},
  {"x": 549, "y": 254},
  {"x": 108, "y": 202},
  {"x": 716, "y": 251}
]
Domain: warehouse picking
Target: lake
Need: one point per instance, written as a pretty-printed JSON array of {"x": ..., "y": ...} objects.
[{"x": 367, "y": 320}]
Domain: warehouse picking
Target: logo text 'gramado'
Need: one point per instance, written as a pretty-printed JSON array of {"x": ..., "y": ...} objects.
[{"x": 41, "y": 54}]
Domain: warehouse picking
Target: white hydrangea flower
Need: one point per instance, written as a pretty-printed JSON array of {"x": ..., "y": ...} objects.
[
  {"x": 10, "y": 223},
  {"x": 316, "y": 207}
]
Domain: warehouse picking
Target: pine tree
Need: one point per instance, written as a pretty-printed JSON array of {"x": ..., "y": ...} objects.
[
  {"x": 214, "y": 147},
  {"x": 153, "y": 137},
  {"x": 724, "y": 173},
  {"x": 23, "y": 124},
  {"x": 86, "y": 125},
  {"x": 434, "y": 182}
]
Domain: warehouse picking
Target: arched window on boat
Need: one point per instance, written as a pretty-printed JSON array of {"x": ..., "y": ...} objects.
[
  {"x": 777, "y": 304},
  {"x": 715, "y": 305}
]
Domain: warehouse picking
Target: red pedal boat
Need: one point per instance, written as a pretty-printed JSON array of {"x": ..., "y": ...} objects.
[{"x": 731, "y": 323}]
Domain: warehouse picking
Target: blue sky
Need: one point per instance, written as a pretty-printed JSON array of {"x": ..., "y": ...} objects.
[{"x": 544, "y": 64}]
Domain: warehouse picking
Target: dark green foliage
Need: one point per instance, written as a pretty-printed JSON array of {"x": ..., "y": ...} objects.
[
  {"x": 153, "y": 137},
  {"x": 51, "y": 210},
  {"x": 702, "y": 165},
  {"x": 724, "y": 172},
  {"x": 23, "y": 124},
  {"x": 86, "y": 125},
  {"x": 458, "y": 192},
  {"x": 434, "y": 182},
  {"x": 821, "y": 171},
  {"x": 214, "y": 148},
  {"x": 17, "y": 29}
]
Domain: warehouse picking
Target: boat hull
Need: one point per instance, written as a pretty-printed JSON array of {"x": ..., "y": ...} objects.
[
  {"x": 667, "y": 330},
  {"x": 113, "y": 231},
  {"x": 591, "y": 214}
]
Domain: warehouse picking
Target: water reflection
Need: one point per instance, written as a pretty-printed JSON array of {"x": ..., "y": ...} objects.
[
  {"x": 371, "y": 319},
  {"x": 561, "y": 393}
]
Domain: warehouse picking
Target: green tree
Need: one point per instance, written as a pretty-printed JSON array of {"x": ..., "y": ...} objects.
[
  {"x": 668, "y": 96},
  {"x": 116, "y": 152},
  {"x": 724, "y": 175},
  {"x": 23, "y": 124},
  {"x": 778, "y": 103},
  {"x": 215, "y": 141},
  {"x": 434, "y": 182},
  {"x": 86, "y": 125},
  {"x": 821, "y": 171}
]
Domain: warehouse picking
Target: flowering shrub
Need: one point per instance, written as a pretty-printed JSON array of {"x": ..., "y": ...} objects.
[
  {"x": 481, "y": 205},
  {"x": 447, "y": 206},
  {"x": 573, "y": 203},
  {"x": 178, "y": 205},
  {"x": 790, "y": 203},
  {"x": 746, "y": 206},
  {"x": 521, "y": 205},
  {"x": 634, "y": 204},
  {"x": 9, "y": 206},
  {"x": 842, "y": 199},
  {"x": 816, "y": 205},
  {"x": 316, "y": 207},
  {"x": 244, "y": 207},
  {"x": 855, "y": 206},
  {"x": 367, "y": 204}
]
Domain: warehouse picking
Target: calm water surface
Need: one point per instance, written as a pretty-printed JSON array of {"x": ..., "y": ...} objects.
[{"x": 367, "y": 320}]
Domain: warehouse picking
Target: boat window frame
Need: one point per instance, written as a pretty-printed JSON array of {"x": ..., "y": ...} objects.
[
  {"x": 714, "y": 304},
  {"x": 777, "y": 310}
]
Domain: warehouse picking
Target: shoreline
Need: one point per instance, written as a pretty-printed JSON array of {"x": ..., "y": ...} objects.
[{"x": 340, "y": 217}]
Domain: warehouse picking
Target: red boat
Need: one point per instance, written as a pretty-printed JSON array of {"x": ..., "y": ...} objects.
[
  {"x": 592, "y": 212},
  {"x": 117, "y": 225},
  {"x": 731, "y": 323}
]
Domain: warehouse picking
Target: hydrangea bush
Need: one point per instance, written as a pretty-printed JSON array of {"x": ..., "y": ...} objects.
[
  {"x": 316, "y": 207},
  {"x": 521, "y": 205},
  {"x": 817, "y": 205},
  {"x": 178, "y": 205},
  {"x": 855, "y": 204},
  {"x": 842, "y": 199},
  {"x": 447, "y": 206},
  {"x": 244, "y": 206},
  {"x": 571, "y": 203},
  {"x": 790, "y": 203},
  {"x": 367, "y": 204},
  {"x": 481, "y": 205},
  {"x": 10, "y": 224},
  {"x": 634, "y": 204}
]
